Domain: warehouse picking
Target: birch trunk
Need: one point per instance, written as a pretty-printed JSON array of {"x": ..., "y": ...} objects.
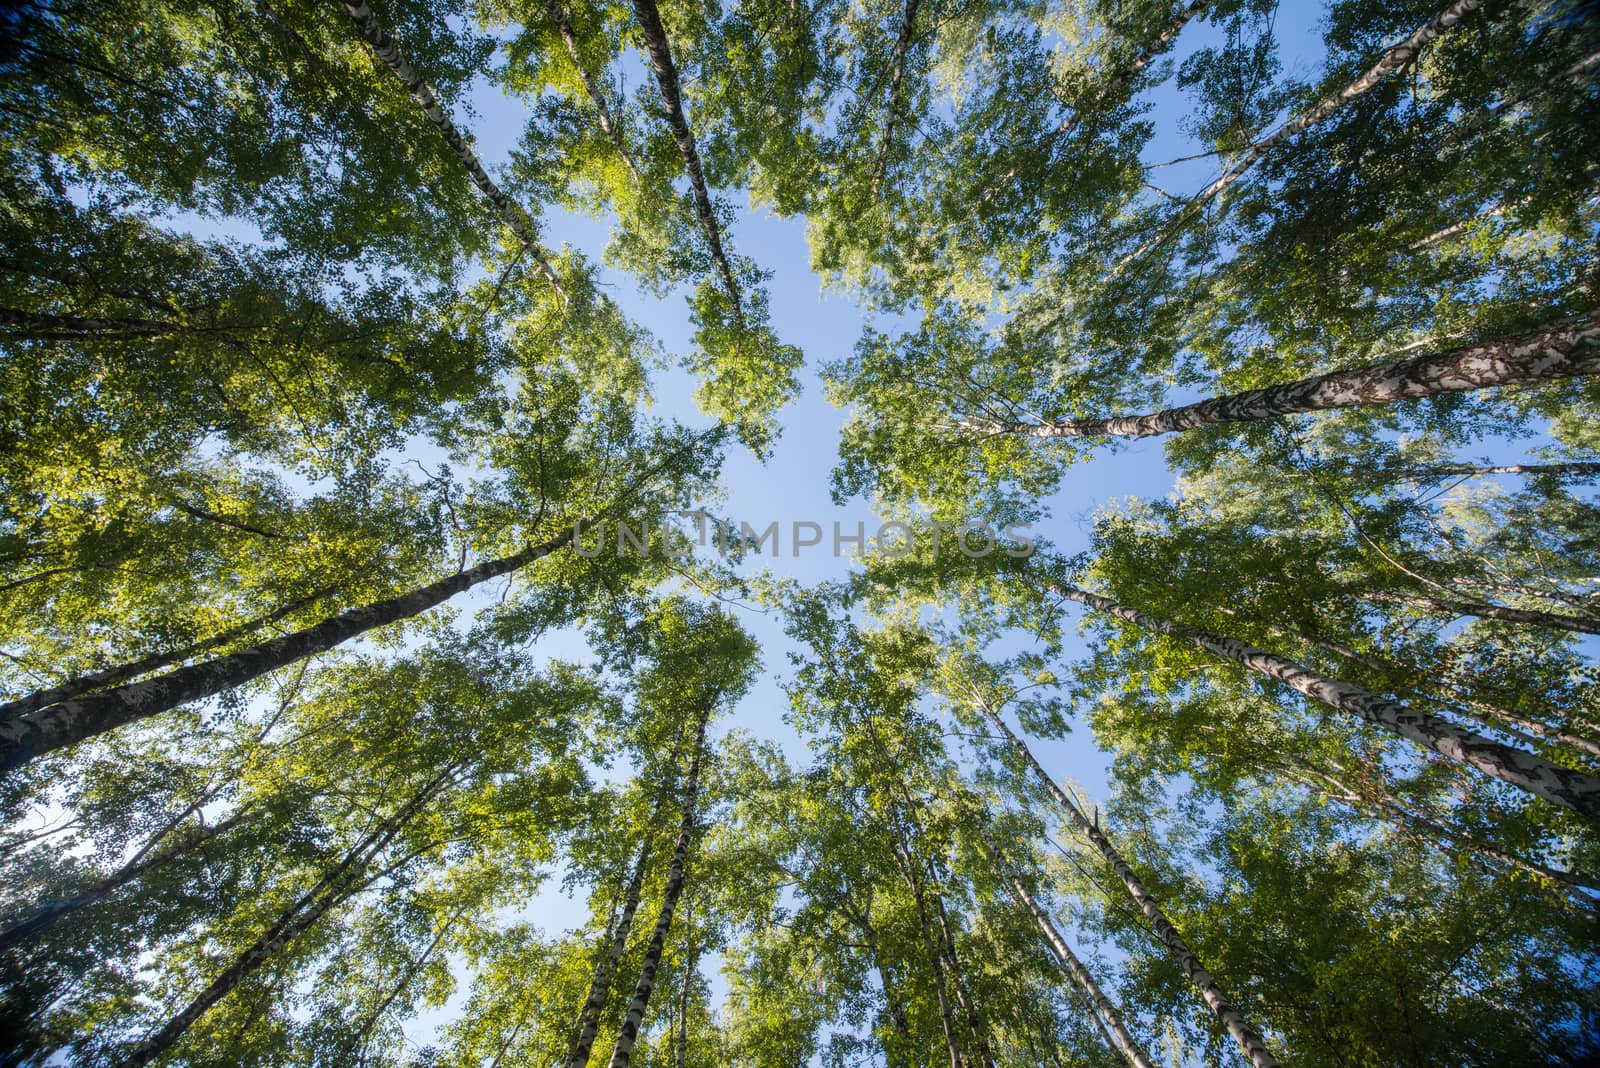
[
  {"x": 96, "y": 680},
  {"x": 388, "y": 51},
  {"x": 1423, "y": 474},
  {"x": 141, "y": 863},
  {"x": 557, "y": 14},
  {"x": 1244, "y": 1033},
  {"x": 634, "y": 1018},
  {"x": 1392, "y": 62},
  {"x": 897, "y": 70},
  {"x": 23, "y": 737},
  {"x": 606, "y": 967},
  {"x": 1574, "y": 790},
  {"x": 300, "y": 916},
  {"x": 1111, "y": 86},
  {"x": 660, "y": 49},
  {"x": 1484, "y": 610},
  {"x": 1125, "y": 1044},
  {"x": 1566, "y": 350}
]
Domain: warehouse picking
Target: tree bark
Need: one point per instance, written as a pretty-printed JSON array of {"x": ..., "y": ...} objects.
[
  {"x": 1112, "y": 85},
  {"x": 51, "y": 911},
  {"x": 388, "y": 51},
  {"x": 1566, "y": 350},
  {"x": 1574, "y": 790},
  {"x": 557, "y": 15},
  {"x": 897, "y": 70},
  {"x": 300, "y": 916},
  {"x": 96, "y": 680},
  {"x": 25, "y": 736},
  {"x": 1424, "y": 474},
  {"x": 1392, "y": 62},
  {"x": 1244, "y": 1033},
  {"x": 1484, "y": 610},
  {"x": 606, "y": 967},
  {"x": 634, "y": 1018},
  {"x": 660, "y": 49},
  {"x": 1125, "y": 1044}
]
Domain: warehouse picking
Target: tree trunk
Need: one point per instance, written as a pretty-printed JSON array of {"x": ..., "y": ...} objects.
[
  {"x": 907, "y": 870},
  {"x": 655, "y": 39},
  {"x": 975, "y": 1024},
  {"x": 1566, "y": 350},
  {"x": 1246, "y": 1035},
  {"x": 302, "y": 914},
  {"x": 1111, "y": 86},
  {"x": 1422, "y": 474},
  {"x": 1392, "y": 62},
  {"x": 23, "y": 737},
  {"x": 897, "y": 70},
  {"x": 413, "y": 968},
  {"x": 389, "y": 53},
  {"x": 634, "y": 1018},
  {"x": 96, "y": 680},
  {"x": 1393, "y": 810},
  {"x": 1574, "y": 790},
  {"x": 557, "y": 15},
  {"x": 141, "y": 863},
  {"x": 606, "y": 967},
  {"x": 1483, "y": 610},
  {"x": 1125, "y": 1044}
]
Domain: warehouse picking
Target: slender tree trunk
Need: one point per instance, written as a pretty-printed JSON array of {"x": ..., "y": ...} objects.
[
  {"x": 606, "y": 967},
  {"x": 557, "y": 14},
  {"x": 975, "y": 1024},
  {"x": 655, "y": 39},
  {"x": 44, "y": 326},
  {"x": 300, "y": 916},
  {"x": 1566, "y": 350},
  {"x": 359, "y": 1039},
  {"x": 141, "y": 863},
  {"x": 682, "y": 1050},
  {"x": 1575, "y": 790},
  {"x": 907, "y": 870},
  {"x": 1112, "y": 86},
  {"x": 634, "y": 1018},
  {"x": 96, "y": 680},
  {"x": 897, "y": 70},
  {"x": 1483, "y": 610},
  {"x": 389, "y": 53},
  {"x": 1391, "y": 63},
  {"x": 1425, "y": 474},
  {"x": 1244, "y": 1033},
  {"x": 1384, "y": 804},
  {"x": 1124, "y": 1044},
  {"x": 23, "y": 737}
]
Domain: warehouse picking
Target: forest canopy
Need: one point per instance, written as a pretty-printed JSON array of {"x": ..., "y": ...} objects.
[{"x": 389, "y": 680}]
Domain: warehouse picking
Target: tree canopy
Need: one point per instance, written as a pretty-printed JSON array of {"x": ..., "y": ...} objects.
[{"x": 388, "y": 678}]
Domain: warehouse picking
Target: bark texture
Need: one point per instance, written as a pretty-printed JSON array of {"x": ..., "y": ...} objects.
[
  {"x": 111, "y": 676},
  {"x": 897, "y": 73},
  {"x": 302, "y": 914},
  {"x": 1124, "y": 1043},
  {"x": 606, "y": 967},
  {"x": 633, "y": 1019},
  {"x": 660, "y": 49},
  {"x": 1243, "y": 1032},
  {"x": 1574, "y": 790},
  {"x": 25, "y": 736},
  {"x": 1567, "y": 350},
  {"x": 389, "y": 53},
  {"x": 557, "y": 14},
  {"x": 1392, "y": 62},
  {"x": 1484, "y": 610}
]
